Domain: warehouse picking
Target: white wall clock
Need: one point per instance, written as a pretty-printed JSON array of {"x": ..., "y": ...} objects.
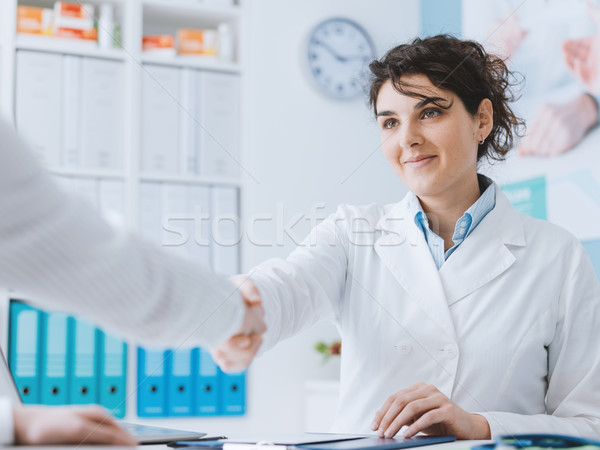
[{"x": 339, "y": 51}]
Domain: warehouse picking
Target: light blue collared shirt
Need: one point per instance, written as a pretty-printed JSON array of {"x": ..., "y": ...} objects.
[{"x": 464, "y": 226}]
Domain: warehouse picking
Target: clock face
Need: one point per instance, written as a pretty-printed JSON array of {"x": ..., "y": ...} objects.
[{"x": 339, "y": 51}]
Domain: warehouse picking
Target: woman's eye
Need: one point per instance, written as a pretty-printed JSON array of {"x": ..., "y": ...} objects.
[
  {"x": 430, "y": 113},
  {"x": 390, "y": 123}
]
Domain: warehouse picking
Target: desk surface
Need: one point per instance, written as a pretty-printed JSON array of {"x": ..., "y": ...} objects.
[{"x": 457, "y": 445}]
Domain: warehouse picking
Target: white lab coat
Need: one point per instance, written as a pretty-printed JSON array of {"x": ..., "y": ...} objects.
[{"x": 509, "y": 327}]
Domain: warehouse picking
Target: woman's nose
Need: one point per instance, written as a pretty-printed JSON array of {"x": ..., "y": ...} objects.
[{"x": 409, "y": 136}]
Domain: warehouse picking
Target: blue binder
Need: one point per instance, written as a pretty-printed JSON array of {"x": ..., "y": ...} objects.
[
  {"x": 233, "y": 390},
  {"x": 23, "y": 353},
  {"x": 207, "y": 384},
  {"x": 54, "y": 359},
  {"x": 179, "y": 383},
  {"x": 113, "y": 373},
  {"x": 83, "y": 371},
  {"x": 151, "y": 393}
]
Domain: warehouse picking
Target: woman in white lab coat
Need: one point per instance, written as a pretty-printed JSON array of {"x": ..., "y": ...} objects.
[{"x": 458, "y": 315}]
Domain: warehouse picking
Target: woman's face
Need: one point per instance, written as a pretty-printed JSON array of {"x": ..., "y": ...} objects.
[{"x": 433, "y": 150}]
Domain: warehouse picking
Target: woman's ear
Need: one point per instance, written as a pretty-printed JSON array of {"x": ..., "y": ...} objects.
[{"x": 485, "y": 114}]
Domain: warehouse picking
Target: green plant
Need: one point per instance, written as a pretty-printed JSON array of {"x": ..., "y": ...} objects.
[{"x": 328, "y": 350}]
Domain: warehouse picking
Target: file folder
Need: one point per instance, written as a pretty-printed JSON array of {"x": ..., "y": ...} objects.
[
  {"x": 152, "y": 393},
  {"x": 23, "y": 355},
  {"x": 233, "y": 391},
  {"x": 54, "y": 359},
  {"x": 101, "y": 121},
  {"x": 161, "y": 105},
  {"x": 113, "y": 374},
  {"x": 38, "y": 103},
  {"x": 226, "y": 230},
  {"x": 71, "y": 111},
  {"x": 83, "y": 370},
  {"x": 179, "y": 391},
  {"x": 220, "y": 106},
  {"x": 207, "y": 384}
]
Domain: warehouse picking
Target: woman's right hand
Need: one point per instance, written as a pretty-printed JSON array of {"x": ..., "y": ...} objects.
[{"x": 237, "y": 353}]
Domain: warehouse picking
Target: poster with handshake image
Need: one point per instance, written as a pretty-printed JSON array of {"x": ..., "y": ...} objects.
[{"x": 553, "y": 48}]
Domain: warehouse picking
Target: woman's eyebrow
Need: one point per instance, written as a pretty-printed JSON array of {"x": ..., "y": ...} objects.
[
  {"x": 434, "y": 100},
  {"x": 386, "y": 113}
]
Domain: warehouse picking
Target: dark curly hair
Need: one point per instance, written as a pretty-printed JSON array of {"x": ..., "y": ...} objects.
[{"x": 462, "y": 67}]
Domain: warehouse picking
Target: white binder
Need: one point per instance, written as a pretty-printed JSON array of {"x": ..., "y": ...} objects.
[
  {"x": 219, "y": 115},
  {"x": 71, "y": 154},
  {"x": 38, "y": 103},
  {"x": 198, "y": 204},
  {"x": 226, "y": 231},
  {"x": 102, "y": 114},
  {"x": 176, "y": 223},
  {"x": 150, "y": 214},
  {"x": 189, "y": 122},
  {"x": 160, "y": 119}
]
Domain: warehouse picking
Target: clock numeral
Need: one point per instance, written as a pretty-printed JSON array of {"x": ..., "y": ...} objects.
[{"x": 317, "y": 71}]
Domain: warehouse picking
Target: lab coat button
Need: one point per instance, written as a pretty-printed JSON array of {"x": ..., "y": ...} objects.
[
  {"x": 451, "y": 350},
  {"x": 404, "y": 347}
]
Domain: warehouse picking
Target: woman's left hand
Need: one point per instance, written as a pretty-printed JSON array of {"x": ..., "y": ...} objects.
[{"x": 425, "y": 409}]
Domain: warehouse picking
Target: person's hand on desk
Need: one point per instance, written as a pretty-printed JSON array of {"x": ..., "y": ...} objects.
[
  {"x": 423, "y": 408},
  {"x": 238, "y": 352},
  {"x": 38, "y": 425}
]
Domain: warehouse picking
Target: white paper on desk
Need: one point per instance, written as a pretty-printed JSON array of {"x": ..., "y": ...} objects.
[{"x": 294, "y": 439}]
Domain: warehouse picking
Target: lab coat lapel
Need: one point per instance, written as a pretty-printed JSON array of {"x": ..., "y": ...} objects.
[
  {"x": 484, "y": 255},
  {"x": 403, "y": 250}
]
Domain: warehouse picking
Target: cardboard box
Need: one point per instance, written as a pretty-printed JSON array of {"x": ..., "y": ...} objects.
[
  {"x": 197, "y": 42},
  {"x": 159, "y": 44},
  {"x": 74, "y": 20},
  {"x": 34, "y": 20}
]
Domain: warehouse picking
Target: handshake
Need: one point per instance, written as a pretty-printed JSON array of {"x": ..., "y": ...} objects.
[{"x": 238, "y": 352}]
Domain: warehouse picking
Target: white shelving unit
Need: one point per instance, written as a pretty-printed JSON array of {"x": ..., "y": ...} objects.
[{"x": 136, "y": 19}]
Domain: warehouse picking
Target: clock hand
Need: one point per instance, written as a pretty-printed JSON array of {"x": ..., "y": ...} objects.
[{"x": 332, "y": 51}]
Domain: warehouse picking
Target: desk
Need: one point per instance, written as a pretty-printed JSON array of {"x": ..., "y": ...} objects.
[{"x": 458, "y": 445}]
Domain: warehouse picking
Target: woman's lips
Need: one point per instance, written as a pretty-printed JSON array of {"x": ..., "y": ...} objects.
[{"x": 419, "y": 161}]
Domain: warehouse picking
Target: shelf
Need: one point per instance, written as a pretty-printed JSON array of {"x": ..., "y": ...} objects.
[
  {"x": 66, "y": 46},
  {"x": 191, "y": 179},
  {"x": 89, "y": 173},
  {"x": 219, "y": 10},
  {"x": 193, "y": 62}
]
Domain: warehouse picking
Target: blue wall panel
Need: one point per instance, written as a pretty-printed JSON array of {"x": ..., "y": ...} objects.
[{"x": 441, "y": 16}]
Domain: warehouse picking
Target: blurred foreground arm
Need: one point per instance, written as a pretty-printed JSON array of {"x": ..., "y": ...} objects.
[{"x": 56, "y": 249}]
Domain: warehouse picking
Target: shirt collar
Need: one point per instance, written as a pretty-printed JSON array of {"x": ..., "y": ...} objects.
[{"x": 475, "y": 214}]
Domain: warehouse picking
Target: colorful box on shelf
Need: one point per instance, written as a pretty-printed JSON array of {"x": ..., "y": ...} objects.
[
  {"x": 74, "y": 20},
  {"x": 34, "y": 20},
  {"x": 159, "y": 44},
  {"x": 197, "y": 42}
]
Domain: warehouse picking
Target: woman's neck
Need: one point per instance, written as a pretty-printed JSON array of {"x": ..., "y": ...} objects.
[{"x": 443, "y": 211}]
